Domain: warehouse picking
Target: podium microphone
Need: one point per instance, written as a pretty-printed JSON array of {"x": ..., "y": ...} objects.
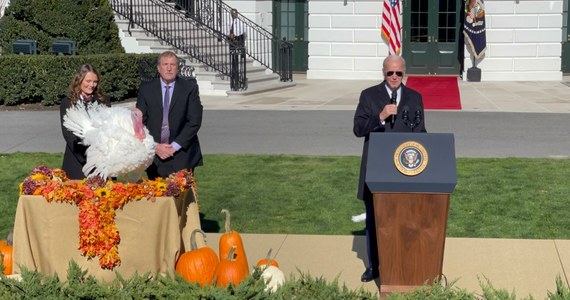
[
  {"x": 393, "y": 101},
  {"x": 405, "y": 114},
  {"x": 418, "y": 118}
]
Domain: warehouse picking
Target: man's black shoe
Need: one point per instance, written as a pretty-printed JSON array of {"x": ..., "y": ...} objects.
[{"x": 369, "y": 275}]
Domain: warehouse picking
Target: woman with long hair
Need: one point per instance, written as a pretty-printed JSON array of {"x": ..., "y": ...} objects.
[{"x": 84, "y": 87}]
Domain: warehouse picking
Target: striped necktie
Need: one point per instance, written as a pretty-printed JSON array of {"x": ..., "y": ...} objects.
[{"x": 165, "y": 131}]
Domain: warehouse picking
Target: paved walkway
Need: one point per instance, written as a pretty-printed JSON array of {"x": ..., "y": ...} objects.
[
  {"x": 317, "y": 94},
  {"x": 528, "y": 267}
]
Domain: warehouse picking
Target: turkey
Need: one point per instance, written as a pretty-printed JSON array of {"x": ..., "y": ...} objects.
[{"x": 119, "y": 144}]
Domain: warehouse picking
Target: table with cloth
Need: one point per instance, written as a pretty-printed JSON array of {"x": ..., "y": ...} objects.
[{"x": 46, "y": 236}]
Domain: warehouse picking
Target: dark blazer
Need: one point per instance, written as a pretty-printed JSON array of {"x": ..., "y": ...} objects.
[
  {"x": 184, "y": 119},
  {"x": 74, "y": 157},
  {"x": 366, "y": 120}
]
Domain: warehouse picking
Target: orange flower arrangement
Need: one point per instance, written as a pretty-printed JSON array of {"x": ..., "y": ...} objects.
[{"x": 97, "y": 201}]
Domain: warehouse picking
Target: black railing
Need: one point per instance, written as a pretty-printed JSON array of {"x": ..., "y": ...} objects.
[
  {"x": 260, "y": 44},
  {"x": 161, "y": 19},
  {"x": 286, "y": 61},
  {"x": 238, "y": 80},
  {"x": 198, "y": 31}
]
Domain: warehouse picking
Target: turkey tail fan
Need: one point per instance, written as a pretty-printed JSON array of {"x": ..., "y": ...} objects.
[
  {"x": 115, "y": 149},
  {"x": 77, "y": 120},
  {"x": 119, "y": 154}
]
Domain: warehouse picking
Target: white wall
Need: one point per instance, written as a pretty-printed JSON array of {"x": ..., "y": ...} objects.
[
  {"x": 345, "y": 40},
  {"x": 523, "y": 38},
  {"x": 258, "y": 11},
  {"x": 523, "y": 41}
]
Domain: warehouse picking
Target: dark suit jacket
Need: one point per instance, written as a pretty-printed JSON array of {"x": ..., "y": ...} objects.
[
  {"x": 74, "y": 157},
  {"x": 366, "y": 120},
  {"x": 184, "y": 119}
]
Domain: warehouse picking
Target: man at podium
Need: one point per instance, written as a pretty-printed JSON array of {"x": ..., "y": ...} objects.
[{"x": 387, "y": 107}]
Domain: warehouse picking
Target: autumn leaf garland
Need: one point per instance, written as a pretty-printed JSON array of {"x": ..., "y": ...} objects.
[{"x": 97, "y": 201}]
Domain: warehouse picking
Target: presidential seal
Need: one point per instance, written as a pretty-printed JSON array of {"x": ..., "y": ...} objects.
[{"x": 410, "y": 158}]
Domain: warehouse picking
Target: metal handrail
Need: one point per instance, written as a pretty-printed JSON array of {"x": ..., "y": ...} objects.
[
  {"x": 174, "y": 28},
  {"x": 260, "y": 44},
  {"x": 203, "y": 38}
]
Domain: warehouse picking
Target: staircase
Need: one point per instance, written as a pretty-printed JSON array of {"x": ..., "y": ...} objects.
[{"x": 206, "y": 49}]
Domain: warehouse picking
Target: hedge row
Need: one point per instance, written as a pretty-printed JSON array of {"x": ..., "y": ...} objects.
[
  {"x": 45, "y": 78},
  {"x": 89, "y": 23},
  {"x": 81, "y": 285}
]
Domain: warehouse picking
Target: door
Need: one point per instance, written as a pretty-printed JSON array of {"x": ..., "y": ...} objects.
[
  {"x": 430, "y": 36},
  {"x": 291, "y": 19},
  {"x": 566, "y": 39}
]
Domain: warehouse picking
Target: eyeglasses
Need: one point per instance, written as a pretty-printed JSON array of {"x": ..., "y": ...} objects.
[{"x": 399, "y": 73}]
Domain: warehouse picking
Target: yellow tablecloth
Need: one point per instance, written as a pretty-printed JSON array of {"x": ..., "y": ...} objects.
[{"x": 46, "y": 236}]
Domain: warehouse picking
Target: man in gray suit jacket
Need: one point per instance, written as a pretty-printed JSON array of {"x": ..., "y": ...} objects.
[
  {"x": 381, "y": 109},
  {"x": 172, "y": 112}
]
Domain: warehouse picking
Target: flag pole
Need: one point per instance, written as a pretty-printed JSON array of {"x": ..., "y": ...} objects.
[
  {"x": 475, "y": 36},
  {"x": 474, "y": 73}
]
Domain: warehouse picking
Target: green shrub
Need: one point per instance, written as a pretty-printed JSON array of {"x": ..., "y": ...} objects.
[
  {"x": 80, "y": 285},
  {"x": 89, "y": 23},
  {"x": 45, "y": 78},
  {"x": 435, "y": 292},
  {"x": 562, "y": 292}
]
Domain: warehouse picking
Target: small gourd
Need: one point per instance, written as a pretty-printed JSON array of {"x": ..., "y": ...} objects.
[
  {"x": 6, "y": 253},
  {"x": 267, "y": 261},
  {"x": 273, "y": 277},
  {"x": 198, "y": 264},
  {"x": 271, "y": 274}
]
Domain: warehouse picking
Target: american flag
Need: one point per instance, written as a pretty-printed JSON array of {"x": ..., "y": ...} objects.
[{"x": 391, "y": 25}]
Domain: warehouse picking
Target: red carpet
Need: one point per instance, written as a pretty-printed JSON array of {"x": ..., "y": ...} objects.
[{"x": 437, "y": 92}]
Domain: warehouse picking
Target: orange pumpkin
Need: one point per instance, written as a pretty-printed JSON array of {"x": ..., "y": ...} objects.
[
  {"x": 6, "y": 251},
  {"x": 230, "y": 270},
  {"x": 228, "y": 240},
  {"x": 198, "y": 265},
  {"x": 267, "y": 261}
]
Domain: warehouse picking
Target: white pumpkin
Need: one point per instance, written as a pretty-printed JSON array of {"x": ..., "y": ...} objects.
[{"x": 273, "y": 277}]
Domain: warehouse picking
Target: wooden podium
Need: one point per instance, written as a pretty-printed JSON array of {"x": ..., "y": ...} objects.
[{"x": 411, "y": 176}]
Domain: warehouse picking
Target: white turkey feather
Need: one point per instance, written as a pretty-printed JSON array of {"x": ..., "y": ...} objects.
[
  {"x": 77, "y": 120},
  {"x": 114, "y": 149}
]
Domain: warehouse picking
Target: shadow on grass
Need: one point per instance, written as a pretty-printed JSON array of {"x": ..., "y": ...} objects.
[{"x": 209, "y": 225}]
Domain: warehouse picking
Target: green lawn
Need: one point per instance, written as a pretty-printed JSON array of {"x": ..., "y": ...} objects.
[{"x": 503, "y": 198}]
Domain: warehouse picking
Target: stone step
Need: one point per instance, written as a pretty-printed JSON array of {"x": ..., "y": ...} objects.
[
  {"x": 260, "y": 78},
  {"x": 251, "y": 71},
  {"x": 263, "y": 87}
]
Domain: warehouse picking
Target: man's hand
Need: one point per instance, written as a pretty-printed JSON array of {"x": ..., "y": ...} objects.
[
  {"x": 389, "y": 109},
  {"x": 164, "y": 151}
]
